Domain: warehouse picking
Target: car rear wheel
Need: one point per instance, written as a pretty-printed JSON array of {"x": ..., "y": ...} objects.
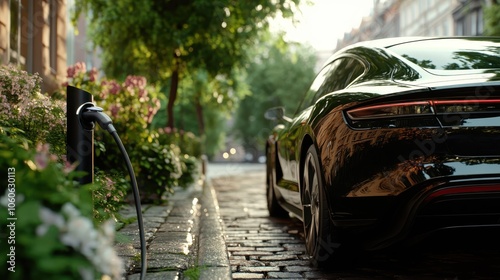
[{"x": 321, "y": 241}]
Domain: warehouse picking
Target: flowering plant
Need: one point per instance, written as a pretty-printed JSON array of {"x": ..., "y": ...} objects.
[
  {"x": 132, "y": 104},
  {"x": 23, "y": 106},
  {"x": 49, "y": 218},
  {"x": 110, "y": 195}
]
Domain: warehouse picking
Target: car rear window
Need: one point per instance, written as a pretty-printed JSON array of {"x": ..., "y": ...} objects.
[{"x": 451, "y": 54}]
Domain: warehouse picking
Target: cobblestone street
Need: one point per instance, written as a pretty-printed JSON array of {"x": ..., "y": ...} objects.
[
  {"x": 258, "y": 246},
  {"x": 223, "y": 230},
  {"x": 262, "y": 247}
]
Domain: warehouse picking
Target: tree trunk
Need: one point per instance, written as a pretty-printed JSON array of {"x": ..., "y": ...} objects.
[
  {"x": 174, "y": 84},
  {"x": 199, "y": 115}
]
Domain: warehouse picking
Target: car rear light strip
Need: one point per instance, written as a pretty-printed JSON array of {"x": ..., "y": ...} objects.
[{"x": 424, "y": 108}]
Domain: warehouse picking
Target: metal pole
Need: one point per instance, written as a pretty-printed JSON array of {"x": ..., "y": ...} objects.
[{"x": 80, "y": 141}]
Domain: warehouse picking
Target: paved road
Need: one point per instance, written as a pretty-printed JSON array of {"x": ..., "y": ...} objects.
[{"x": 263, "y": 247}]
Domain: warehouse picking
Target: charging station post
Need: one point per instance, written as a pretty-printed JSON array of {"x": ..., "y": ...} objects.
[
  {"x": 80, "y": 142},
  {"x": 81, "y": 115}
]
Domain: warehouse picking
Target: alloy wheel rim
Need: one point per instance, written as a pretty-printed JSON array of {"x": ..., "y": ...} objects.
[{"x": 311, "y": 205}]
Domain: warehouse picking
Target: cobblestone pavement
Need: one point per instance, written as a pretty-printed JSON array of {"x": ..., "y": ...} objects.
[
  {"x": 262, "y": 247},
  {"x": 222, "y": 231},
  {"x": 184, "y": 238},
  {"x": 170, "y": 230}
]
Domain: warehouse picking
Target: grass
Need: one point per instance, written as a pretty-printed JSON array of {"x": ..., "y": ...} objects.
[{"x": 193, "y": 273}]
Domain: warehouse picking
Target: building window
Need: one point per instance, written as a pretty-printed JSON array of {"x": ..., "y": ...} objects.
[
  {"x": 53, "y": 35},
  {"x": 473, "y": 23},
  {"x": 460, "y": 28},
  {"x": 15, "y": 33},
  {"x": 480, "y": 22}
]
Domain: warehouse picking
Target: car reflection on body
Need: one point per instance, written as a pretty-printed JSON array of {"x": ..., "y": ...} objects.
[{"x": 395, "y": 138}]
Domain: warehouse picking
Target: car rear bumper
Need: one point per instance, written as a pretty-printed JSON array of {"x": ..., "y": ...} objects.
[{"x": 467, "y": 198}]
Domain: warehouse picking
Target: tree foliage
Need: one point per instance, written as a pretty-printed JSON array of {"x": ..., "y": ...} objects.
[
  {"x": 279, "y": 76},
  {"x": 492, "y": 18},
  {"x": 161, "y": 39},
  {"x": 204, "y": 106}
]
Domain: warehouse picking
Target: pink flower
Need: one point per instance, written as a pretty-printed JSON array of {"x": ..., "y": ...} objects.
[
  {"x": 93, "y": 74},
  {"x": 76, "y": 69},
  {"x": 143, "y": 95},
  {"x": 110, "y": 87},
  {"x": 114, "y": 87},
  {"x": 135, "y": 82},
  {"x": 43, "y": 156},
  {"x": 114, "y": 110},
  {"x": 70, "y": 73},
  {"x": 80, "y": 67}
]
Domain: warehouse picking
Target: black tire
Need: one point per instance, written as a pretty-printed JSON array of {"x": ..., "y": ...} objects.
[
  {"x": 321, "y": 238},
  {"x": 274, "y": 208}
]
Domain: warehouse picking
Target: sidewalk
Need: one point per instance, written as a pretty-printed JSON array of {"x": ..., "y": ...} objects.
[{"x": 184, "y": 237}]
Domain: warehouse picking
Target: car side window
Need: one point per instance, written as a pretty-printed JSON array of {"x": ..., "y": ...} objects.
[
  {"x": 315, "y": 86},
  {"x": 342, "y": 73},
  {"x": 335, "y": 76}
]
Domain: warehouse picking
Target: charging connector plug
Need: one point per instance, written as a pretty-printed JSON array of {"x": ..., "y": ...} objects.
[{"x": 90, "y": 114}]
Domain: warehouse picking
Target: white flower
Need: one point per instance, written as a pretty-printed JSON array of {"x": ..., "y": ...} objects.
[
  {"x": 42, "y": 229},
  {"x": 86, "y": 273},
  {"x": 70, "y": 210},
  {"x": 108, "y": 229},
  {"x": 80, "y": 234},
  {"x": 49, "y": 218},
  {"x": 4, "y": 200},
  {"x": 108, "y": 261}
]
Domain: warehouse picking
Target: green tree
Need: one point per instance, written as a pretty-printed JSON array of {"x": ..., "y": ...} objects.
[
  {"x": 279, "y": 76},
  {"x": 492, "y": 18},
  {"x": 160, "y": 39},
  {"x": 205, "y": 104}
]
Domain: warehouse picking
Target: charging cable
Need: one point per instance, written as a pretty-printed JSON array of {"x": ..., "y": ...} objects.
[{"x": 89, "y": 114}]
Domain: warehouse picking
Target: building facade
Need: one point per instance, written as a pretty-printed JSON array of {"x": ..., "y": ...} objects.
[
  {"x": 468, "y": 18},
  {"x": 427, "y": 17},
  {"x": 33, "y": 36},
  {"x": 395, "y": 18}
]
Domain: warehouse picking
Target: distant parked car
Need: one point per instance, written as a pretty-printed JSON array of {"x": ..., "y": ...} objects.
[{"x": 395, "y": 138}]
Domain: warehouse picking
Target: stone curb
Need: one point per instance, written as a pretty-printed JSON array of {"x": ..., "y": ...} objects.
[
  {"x": 186, "y": 233},
  {"x": 212, "y": 251},
  {"x": 171, "y": 231}
]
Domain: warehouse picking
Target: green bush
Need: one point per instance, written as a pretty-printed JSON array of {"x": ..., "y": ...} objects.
[
  {"x": 188, "y": 142},
  {"x": 189, "y": 152},
  {"x": 52, "y": 236},
  {"x": 159, "y": 161},
  {"x": 109, "y": 194},
  {"x": 160, "y": 169},
  {"x": 22, "y": 106},
  {"x": 190, "y": 170},
  {"x": 41, "y": 121}
]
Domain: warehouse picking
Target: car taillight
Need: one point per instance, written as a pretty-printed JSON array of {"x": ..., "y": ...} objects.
[
  {"x": 466, "y": 106},
  {"x": 421, "y": 108},
  {"x": 391, "y": 110},
  {"x": 430, "y": 113},
  {"x": 464, "y": 190}
]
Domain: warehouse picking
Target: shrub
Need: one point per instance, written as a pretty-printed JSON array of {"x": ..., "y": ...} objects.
[
  {"x": 190, "y": 170},
  {"x": 55, "y": 237},
  {"x": 23, "y": 106},
  {"x": 188, "y": 142},
  {"x": 132, "y": 105},
  {"x": 189, "y": 152},
  {"x": 109, "y": 194},
  {"x": 160, "y": 169}
]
